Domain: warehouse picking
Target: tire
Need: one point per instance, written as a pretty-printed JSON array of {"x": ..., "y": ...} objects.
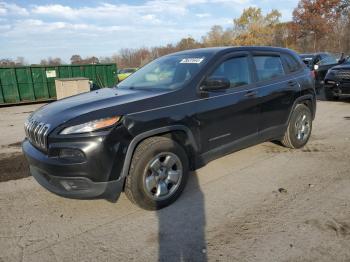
[
  {"x": 147, "y": 184},
  {"x": 329, "y": 95},
  {"x": 299, "y": 128}
]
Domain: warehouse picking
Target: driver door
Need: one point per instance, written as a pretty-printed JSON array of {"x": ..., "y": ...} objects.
[{"x": 228, "y": 117}]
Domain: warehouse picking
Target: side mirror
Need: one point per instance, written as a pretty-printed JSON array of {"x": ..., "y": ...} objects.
[{"x": 215, "y": 84}]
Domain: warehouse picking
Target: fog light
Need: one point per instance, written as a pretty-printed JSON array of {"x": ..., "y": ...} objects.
[
  {"x": 70, "y": 185},
  {"x": 74, "y": 155}
]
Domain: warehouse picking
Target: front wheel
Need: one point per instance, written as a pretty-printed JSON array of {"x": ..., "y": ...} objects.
[
  {"x": 299, "y": 127},
  {"x": 158, "y": 173}
]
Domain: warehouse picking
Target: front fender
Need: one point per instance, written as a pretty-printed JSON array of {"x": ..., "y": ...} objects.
[{"x": 140, "y": 137}]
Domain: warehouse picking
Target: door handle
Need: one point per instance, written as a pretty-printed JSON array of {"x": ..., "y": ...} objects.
[
  {"x": 292, "y": 83},
  {"x": 251, "y": 93}
]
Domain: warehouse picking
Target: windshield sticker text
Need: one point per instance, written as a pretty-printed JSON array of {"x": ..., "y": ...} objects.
[{"x": 191, "y": 60}]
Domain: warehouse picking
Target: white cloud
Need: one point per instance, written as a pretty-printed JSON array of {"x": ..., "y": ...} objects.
[
  {"x": 3, "y": 11},
  {"x": 28, "y": 27},
  {"x": 152, "y": 19},
  {"x": 40, "y": 30},
  {"x": 203, "y": 15},
  {"x": 109, "y": 11},
  {"x": 4, "y": 28},
  {"x": 55, "y": 10},
  {"x": 9, "y": 8}
]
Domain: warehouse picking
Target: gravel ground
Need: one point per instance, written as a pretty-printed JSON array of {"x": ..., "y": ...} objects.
[
  {"x": 264, "y": 203},
  {"x": 13, "y": 164}
]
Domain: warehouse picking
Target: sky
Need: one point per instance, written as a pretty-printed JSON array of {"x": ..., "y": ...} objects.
[{"x": 49, "y": 28}]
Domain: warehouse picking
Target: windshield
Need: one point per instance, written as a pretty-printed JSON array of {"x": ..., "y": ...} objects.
[
  {"x": 168, "y": 72},
  {"x": 328, "y": 60}
]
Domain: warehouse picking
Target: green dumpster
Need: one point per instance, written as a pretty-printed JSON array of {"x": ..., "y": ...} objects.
[{"x": 37, "y": 83}]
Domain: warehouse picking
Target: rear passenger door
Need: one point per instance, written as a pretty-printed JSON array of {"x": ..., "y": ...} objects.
[{"x": 277, "y": 91}]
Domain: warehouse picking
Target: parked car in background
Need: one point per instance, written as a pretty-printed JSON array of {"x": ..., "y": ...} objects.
[
  {"x": 337, "y": 81},
  {"x": 124, "y": 73},
  {"x": 319, "y": 63},
  {"x": 173, "y": 115}
]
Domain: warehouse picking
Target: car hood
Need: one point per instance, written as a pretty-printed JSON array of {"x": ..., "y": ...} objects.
[
  {"x": 343, "y": 66},
  {"x": 96, "y": 104}
]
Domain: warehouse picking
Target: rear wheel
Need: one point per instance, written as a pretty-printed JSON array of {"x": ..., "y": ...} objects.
[
  {"x": 158, "y": 173},
  {"x": 299, "y": 127}
]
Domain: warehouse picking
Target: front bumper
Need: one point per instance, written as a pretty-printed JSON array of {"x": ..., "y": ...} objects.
[
  {"x": 77, "y": 187},
  {"x": 338, "y": 88},
  {"x": 71, "y": 180}
]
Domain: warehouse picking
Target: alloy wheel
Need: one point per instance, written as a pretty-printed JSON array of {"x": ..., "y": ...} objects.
[
  {"x": 302, "y": 127},
  {"x": 163, "y": 175}
]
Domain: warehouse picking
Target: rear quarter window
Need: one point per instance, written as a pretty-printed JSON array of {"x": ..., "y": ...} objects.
[
  {"x": 268, "y": 67},
  {"x": 290, "y": 63}
]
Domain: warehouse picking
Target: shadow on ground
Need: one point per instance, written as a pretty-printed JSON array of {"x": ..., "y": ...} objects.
[{"x": 182, "y": 226}]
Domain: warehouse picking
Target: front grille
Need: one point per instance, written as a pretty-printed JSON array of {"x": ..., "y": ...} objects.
[
  {"x": 343, "y": 75},
  {"x": 37, "y": 132}
]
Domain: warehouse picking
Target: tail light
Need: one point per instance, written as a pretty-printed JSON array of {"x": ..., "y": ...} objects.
[{"x": 313, "y": 74}]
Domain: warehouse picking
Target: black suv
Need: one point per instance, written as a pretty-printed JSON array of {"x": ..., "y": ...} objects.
[
  {"x": 173, "y": 115},
  {"x": 319, "y": 63},
  {"x": 337, "y": 81}
]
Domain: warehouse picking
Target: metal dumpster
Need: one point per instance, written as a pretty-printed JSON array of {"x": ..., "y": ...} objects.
[{"x": 37, "y": 83}]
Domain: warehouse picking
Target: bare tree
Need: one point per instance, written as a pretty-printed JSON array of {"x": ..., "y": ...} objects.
[
  {"x": 90, "y": 60},
  {"x": 7, "y": 62},
  {"x": 51, "y": 61},
  {"x": 75, "y": 59},
  {"x": 20, "y": 61}
]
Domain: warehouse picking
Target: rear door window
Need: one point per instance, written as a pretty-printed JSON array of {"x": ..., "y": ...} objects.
[{"x": 268, "y": 67}]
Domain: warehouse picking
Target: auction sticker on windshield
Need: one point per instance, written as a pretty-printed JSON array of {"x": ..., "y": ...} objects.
[{"x": 192, "y": 60}]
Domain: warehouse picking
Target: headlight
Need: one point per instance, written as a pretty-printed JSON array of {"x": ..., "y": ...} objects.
[{"x": 91, "y": 126}]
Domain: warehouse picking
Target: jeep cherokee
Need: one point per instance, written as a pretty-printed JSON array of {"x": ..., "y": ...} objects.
[{"x": 173, "y": 115}]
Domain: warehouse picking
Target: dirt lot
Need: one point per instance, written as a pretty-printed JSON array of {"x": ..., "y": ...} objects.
[
  {"x": 12, "y": 162},
  {"x": 264, "y": 203}
]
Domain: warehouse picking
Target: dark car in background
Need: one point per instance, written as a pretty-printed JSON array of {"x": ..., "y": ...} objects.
[
  {"x": 337, "y": 81},
  {"x": 173, "y": 115},
  {"x": 319, "y": 63}
]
